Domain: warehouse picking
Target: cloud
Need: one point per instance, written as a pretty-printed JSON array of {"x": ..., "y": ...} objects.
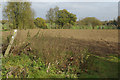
[{"x": 100, "y": 10}]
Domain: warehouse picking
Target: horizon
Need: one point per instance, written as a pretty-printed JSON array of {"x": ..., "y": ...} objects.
[
  {"x": 108, "y": 11},
  {"x": 80, "y": 9}
]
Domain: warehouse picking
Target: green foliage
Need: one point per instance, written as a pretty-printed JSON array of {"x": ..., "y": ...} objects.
[
  {"x": 62, "y": 18},
  {"x": 113, "y": 23},
  {"x": 67, "y": 26},
  {"x": 90, "y": 27},
  {"x": 19, "y": 14},
  {"x": 21, "y": 66},
  {"x": 32, "y": 66},
  {"x": 3, "y": 21},
  {"x": 65, "y": 17},
  {"x": 118, "y": 22},
  {"x": 40, "y": 23},
  {"x": 5, "y": 27},
  {"x": 52, "y": 14},
  {"x": 24, "y": 66},
  {"x": 90, "y": 21}
]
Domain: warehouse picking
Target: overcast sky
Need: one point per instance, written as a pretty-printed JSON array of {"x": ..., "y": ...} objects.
[{"x": 100, "y": 10}]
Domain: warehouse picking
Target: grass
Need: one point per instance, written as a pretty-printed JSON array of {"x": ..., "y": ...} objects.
[
  {"x": 24, "y": 66},
  {"x": 68, "y": 61},
  {"x": 104, "y": 69}
]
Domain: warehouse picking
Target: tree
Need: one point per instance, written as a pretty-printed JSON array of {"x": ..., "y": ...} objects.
[
  {"x": 112, "y": 23},
  {"x": 19, "y": 14},
  {"x": 64, "y": 17},
  {"x": 52, "y": 15},
  {"x": 118, "y": 22},
  {"x": 40, "y": 23},
  {"x": 90, "y": 21}
]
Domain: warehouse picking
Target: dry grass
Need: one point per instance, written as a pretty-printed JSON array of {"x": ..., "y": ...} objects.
[
  {"x": 65, "y": 46},
  {"x": 97, "y": 41},
  {"x": 97, "y": 35}
]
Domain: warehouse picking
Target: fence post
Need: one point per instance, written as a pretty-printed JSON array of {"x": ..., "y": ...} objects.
[{"x": 11, "y": 42}]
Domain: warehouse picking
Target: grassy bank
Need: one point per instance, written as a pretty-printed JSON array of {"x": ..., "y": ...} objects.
[{"x": 32, "y": 66}]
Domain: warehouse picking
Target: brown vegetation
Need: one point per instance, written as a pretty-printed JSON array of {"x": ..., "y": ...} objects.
[
  {"x": 65, "y": 48},
  {"x": 97, "y": 41}
]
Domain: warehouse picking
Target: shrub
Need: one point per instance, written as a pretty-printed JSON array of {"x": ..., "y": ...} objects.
[
  {"x": 67, "y": 26},
  {"x": 90, "y": 21},
  {"x": 40, "y": 23}
]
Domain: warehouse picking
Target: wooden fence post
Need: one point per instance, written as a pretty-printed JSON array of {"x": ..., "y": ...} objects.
[{"x": 11, "y": 42}]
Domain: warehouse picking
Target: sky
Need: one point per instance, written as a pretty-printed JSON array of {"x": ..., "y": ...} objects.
[
  {"x": 61, "y": 0},
  {"x": 119, "y": 9},
  {"x": 101, "y": 10}
]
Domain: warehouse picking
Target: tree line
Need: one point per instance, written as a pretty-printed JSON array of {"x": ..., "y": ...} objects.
[{"x": 19, "y": 15}]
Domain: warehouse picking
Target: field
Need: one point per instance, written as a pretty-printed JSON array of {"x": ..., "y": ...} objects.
[{"x": 68, "y": 53}]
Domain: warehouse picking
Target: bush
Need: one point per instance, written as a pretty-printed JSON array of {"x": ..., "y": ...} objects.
[
  {"x": 40, "y": 23},
  {"x": 67, "y": 26},
  {"x": 90, "y": 21}
]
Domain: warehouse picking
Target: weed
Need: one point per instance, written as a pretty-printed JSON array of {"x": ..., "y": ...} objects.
[{"x": 57, "y": 57}]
